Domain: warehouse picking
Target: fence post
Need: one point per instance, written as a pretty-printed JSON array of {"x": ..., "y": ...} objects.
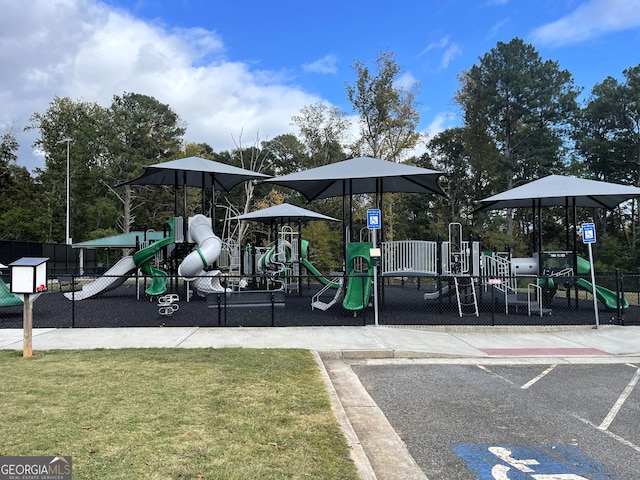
[
  {"x": 73, "y": 301},
  {"x": 619, "y": 297},
  {"x": 273, "y": 310}
]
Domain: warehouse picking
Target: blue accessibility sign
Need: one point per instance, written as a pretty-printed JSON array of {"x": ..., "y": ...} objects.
[
  {"x": 374, "y": 220},
  {"x": 530, "y": 462},
  {"x": 588, "y": 233}
]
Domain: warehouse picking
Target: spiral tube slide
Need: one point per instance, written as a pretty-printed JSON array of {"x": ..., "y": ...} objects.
[{"x": 207, "y": 250}]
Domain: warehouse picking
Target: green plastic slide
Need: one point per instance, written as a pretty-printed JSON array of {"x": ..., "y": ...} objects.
[
  {"x": 8, "y": 299},
  {"x": 359, "y": 282},
  {"x": 316, "y": 273},
  {"x": 142, "y": 258},
  {"x": 606, "y": 296},
  {"x": 312, "y": 269}
]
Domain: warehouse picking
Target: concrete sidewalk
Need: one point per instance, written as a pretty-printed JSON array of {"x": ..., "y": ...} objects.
[{"x": 363, "y": 342}]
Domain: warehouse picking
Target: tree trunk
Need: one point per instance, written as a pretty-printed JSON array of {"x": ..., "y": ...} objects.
[{"x": 126, "y": 217}]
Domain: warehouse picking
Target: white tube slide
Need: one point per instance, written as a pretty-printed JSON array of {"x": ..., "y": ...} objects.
[{"x": 207, "y": 251}]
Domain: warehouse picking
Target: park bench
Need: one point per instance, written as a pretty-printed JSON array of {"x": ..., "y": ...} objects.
[{"x": 246, "y": 299}]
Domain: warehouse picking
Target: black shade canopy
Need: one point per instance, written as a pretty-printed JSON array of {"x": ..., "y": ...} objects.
[
  {"x": 558, "y": 190},
  {"x": 361, "y": 175},
  {"x": 284, "y": 213},
  {"x": 195, "y": 172}
]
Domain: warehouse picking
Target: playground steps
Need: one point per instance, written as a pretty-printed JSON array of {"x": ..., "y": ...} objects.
[
  {"x": 512, "y": 300},
  {"x": 316, "y": 303},
  {"x": 535, "y": 310},
  {"x": 515, "y": 301}
]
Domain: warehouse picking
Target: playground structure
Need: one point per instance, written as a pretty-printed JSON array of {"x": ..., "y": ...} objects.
[
  {"x": 277, "y": 266},
  {"x": 457, "y": 283},
  {"x": 191, "y": 262},
  {"x": 462, "y": 268},
  {"x": 193, "y": 268},
  {"x": 272, "y": 268},
  {"x": 455, "y": 261},
  {"x": 459, "y": 266}
]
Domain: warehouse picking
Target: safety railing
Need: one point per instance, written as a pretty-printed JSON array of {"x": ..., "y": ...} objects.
[{"x": 409, "y": 256}]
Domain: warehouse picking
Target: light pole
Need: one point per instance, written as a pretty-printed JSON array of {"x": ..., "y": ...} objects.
[{"x": 67, "y": 140}]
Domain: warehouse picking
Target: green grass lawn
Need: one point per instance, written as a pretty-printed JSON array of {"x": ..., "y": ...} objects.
[{"x": 174, "y": 413}]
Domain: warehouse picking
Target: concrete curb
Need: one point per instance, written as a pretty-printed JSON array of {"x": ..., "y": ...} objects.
[
  {"x": 386, "y": 452},
  {"x": 499, "y": 328},
  {"x": 358, "y": 456},
  {"x": 386, "y": 354}
]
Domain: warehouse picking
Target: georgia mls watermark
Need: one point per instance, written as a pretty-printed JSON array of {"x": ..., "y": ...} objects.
[{"x": 35, "y": 468}]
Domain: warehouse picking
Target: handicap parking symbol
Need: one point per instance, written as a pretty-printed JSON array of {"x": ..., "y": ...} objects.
[
  {"x": 373, "y": 218},
  {"x": 588, "y": 233},
  {"x": 529, "y": 462}
]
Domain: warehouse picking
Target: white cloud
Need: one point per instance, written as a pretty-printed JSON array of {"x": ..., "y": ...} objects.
[
  {"x": 436, "y": 45},
  {"x": 450, "y": 51},
  {"x": 496, "y": 27},
  {"x": 440, "y": 123},
  {"x": 84, "y": 50},
  {"x": 406, "y": 81},
  {"x": 324, "y": 65},
  {"x": 591, "y": 19}
]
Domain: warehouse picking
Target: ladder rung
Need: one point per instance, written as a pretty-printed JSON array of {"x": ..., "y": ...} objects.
[{"x": 470, "y": 284}]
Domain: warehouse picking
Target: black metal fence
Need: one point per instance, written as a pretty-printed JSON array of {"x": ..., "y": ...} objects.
[
  {"x": 136, "y": 301},
  {"x": 63, "y": 259}
]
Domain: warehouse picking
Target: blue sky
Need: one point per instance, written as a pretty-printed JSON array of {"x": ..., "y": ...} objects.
[{"x": 236, "y": 72}]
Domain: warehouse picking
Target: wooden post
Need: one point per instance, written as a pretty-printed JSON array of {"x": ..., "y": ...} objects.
[{"x": 27, "y": 320}]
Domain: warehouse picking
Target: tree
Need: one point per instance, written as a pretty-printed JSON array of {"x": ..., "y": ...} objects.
[
  {"x": 323, "y": 130},
  {"x": 20, "y": 217},
  {"x": 387, "y": 110},
  {"x": 8, "y": 148},
  {"x": 524, "y": 105},
  {"x": 108, "y": 146},
  {"x": 631, "y": 94},
  {"x": 250, "y": 158},
  {"x": 608, "y": 138},
  {"x": 388, "y": 118},
  {"x": 447, "y": 152},
  {"x": 285, "y": 154},
  {"x": 82, "y": 122},
  {"x": 140, "y": 131}
]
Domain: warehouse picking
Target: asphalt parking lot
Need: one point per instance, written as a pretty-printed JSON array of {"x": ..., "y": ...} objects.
[{"x": 504, "y": 420}]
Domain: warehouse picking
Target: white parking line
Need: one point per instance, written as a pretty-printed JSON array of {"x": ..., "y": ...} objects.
[
  {"x": 535, "y": 379},
  {"x": 618, "y": 438},
  {"x": 621, "y": 399},
  {"x": 482, "y": 367}
]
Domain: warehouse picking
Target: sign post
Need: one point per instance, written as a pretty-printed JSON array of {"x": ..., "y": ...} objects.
[
  {"x": 374, "y": 221},
  {"x": 589, "y": 237}
]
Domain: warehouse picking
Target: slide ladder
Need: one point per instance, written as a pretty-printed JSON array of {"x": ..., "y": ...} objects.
[
  {"x": 319, "y": 304},
  {"x": 466, "y": 295}
]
